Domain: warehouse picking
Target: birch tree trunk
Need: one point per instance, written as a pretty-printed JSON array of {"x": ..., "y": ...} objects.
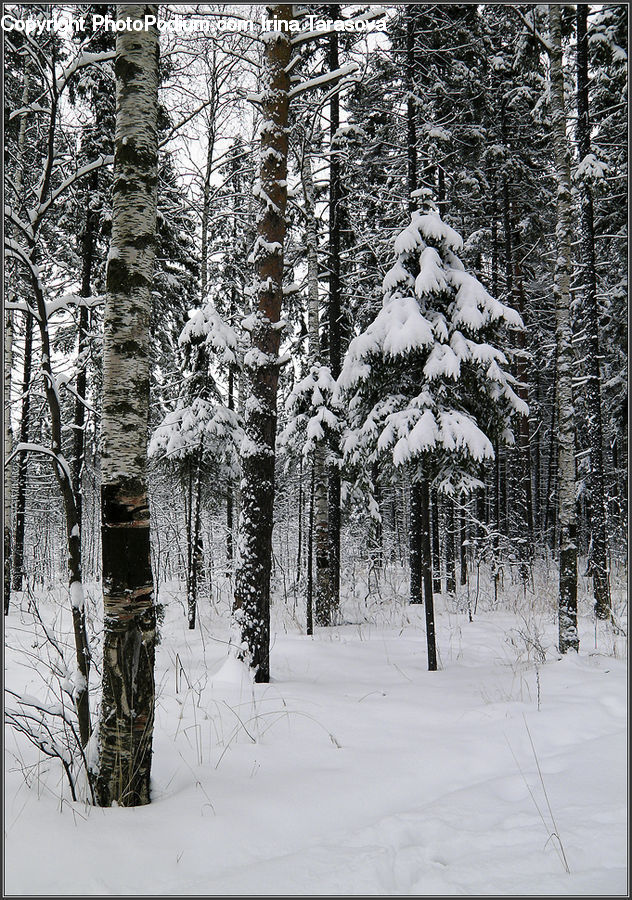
[
  {"x": 127, "y": 712},
  {"x": 568, "y": 637},
  {"x": 599, "y": 537},
  {"x": 252, "y": 582}
]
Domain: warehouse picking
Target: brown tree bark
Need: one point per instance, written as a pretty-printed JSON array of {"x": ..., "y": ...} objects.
[
  {"x": 596, "y": 483},
  {"x": 252, "y": 586},
  {"x": 568, "y": 636}
]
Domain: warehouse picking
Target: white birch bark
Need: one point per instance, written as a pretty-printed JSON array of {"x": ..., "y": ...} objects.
[{"x": 127, "y": 711}]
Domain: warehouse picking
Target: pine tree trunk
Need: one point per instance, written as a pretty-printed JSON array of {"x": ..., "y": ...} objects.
[
  {"x": 20, "y": 503},
  {"x": 319, "y": 468},
  {"x": 127, "y": 711},
  {"x": 525, "y": 489},
  {"x": 415, "y": 542},
  {"x": 463, "y": 543},
  {"x": 252, "y": 589},
  {"x": 87, "y": 264},
  {"x": 229, "y": 486},
  {"x": 411, "y": 123},
  {"x": 450, "y": 557},
  {"x": 436, "y": 546},
  {"x": 197, "y": 549},
  {"x": 206, "y": 208},
  {"x": 309, "y": 606},
  {"x": 8, "y": 366},
  {"x": 568, "y": 636},
  {"x": 592, "y": 395},
  {"x": 8, "y": 447},
  {"x": 427, "y": 574},
  {"x": 335, "y": 194}
]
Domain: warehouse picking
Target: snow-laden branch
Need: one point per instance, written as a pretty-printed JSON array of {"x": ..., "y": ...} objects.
[
  {"x": 26, "y": 447},
  {"x": 84, "y": 59},
  {"x": 34, "y": 107},
  {"x": 99, "y": 163},
  {"x": 377, "y": 13},
  {"x": 68, "y": 300},
  {"x": 322, "y": 80},
  {"x": 11, "y": 216},
  {"x": 530, "y": 24}
]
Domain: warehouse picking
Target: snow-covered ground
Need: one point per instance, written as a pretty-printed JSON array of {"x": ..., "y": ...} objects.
[{"x": 355, "y": 771}]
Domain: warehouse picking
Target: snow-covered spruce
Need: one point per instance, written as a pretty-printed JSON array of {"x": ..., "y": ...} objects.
[
  {"x": 314, "y": 414},
  {"x": 427, "y": 379},
  {"x": 202, "y": 434}
]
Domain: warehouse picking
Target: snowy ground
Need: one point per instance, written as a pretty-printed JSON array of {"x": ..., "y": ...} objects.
[{"x": 355, "y": 771}]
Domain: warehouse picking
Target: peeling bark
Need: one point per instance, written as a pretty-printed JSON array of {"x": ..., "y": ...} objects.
[{"x": 127, "y": 712}]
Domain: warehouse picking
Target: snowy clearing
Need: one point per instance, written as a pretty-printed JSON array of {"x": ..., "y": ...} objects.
[{"x": 355, "y": 771}]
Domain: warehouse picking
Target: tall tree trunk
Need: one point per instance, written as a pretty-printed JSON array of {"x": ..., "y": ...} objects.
[
  {"x": 525, "y": 488},
  {"x": 252, "y": 589},
  {"x": 197, "y": 549},
  {"x": 8, "y": 447},
  {"x": 79, "y": 425},
  {"x": 415, "y": 542},
  {"x": 335, "y": 196},
  {"x": 436, "y": 546},
  {"x": 319, "y": 468},
  {"x": 8, "y": 366},
  {"x": 229, "y": 486},
  {"x": 206, "y": 209},
  {"x": 127, "y": 711},
  {"x": 309, "y": 606},
  {"x": 427, "y": 574},
  {"x": 592, "y": 395},
  {"x": 411, "y": 124},
  {"x": 463, "y": 542},
  {"x": 450, "y": 556},
  {"x": 568, "y": 636},
  {"x": 20, "y": 502}
]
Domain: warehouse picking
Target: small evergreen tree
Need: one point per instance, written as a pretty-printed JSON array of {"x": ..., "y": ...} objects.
[{"x": 424, "y": 382}]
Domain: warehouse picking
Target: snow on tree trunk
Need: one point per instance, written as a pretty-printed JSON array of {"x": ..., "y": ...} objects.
[
  {"x": 568, "y": 637},
  {"x": 426, "y": 574},
  {"x": 252, "y": 587},
  {"x": 450, "y": 557},
  {"x": 415, "y": 543},
  {"x": 321, "y": 508},
  {"x": 8, "y": 446},
  {"x": 8, "y": 361},
  {"x": 436, "y": 546},
  {"x": 127, "y": 712},
  {"x": 335, "y": 197},
  {"x": 592, "y": 390}
]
